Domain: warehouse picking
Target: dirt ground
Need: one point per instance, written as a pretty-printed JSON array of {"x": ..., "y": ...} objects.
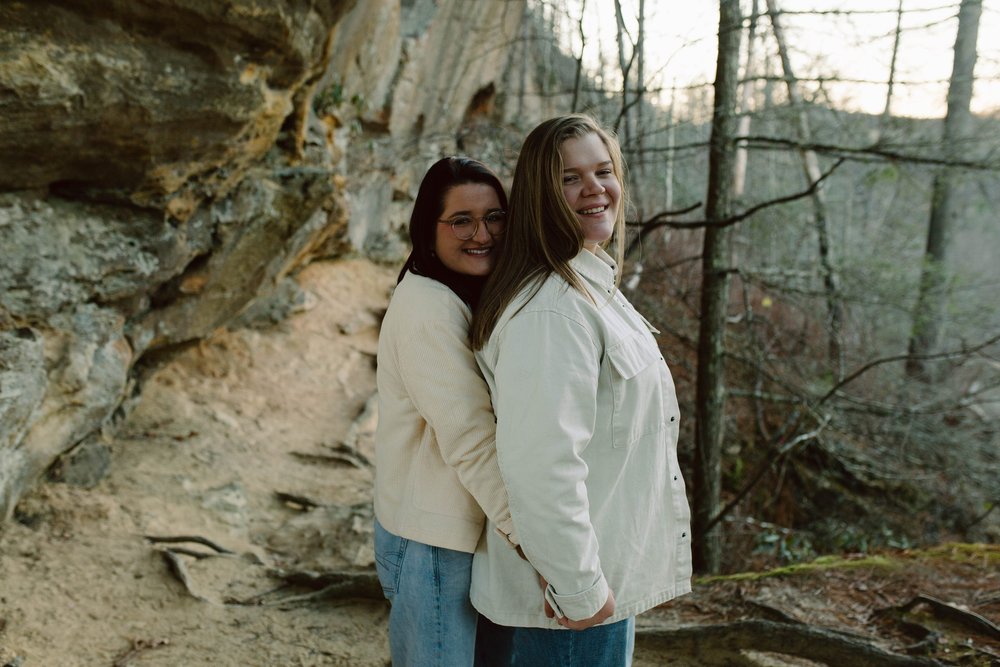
[{"x": 252, "y": 448}]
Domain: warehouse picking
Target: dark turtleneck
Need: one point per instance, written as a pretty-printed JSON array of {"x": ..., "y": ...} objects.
[{"x": 468, "y": 288}]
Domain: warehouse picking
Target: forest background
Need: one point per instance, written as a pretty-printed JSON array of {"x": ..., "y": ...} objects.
[{"x": 182, "y": 185}]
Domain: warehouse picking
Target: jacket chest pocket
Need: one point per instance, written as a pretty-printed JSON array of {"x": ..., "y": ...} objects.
[{"x": 636, "y": 388}]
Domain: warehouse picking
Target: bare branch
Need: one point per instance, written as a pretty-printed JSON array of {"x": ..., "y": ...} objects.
[
  {"x": 854, "y": 153},
  {"x": 952, "y": 354},
  {"x": 873, "y": 151},
  {"x": 768, "y": 463},
  {"x": 658, "y": 220}
]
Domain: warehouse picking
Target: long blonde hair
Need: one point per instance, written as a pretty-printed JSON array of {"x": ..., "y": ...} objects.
[{"x": 543, "y": 232}]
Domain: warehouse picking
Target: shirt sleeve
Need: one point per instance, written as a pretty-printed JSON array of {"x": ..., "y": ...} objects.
[
  {"x": 441, "y": 377},
  {"x": 546, "y": 374}
]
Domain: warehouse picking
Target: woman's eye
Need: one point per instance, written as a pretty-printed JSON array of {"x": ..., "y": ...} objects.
[
  {"x": 568, "y": 179},
  {"x": 605, "y": 172}
]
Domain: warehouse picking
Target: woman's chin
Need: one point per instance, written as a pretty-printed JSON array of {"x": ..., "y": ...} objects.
[{"x": 474, "y": 267}]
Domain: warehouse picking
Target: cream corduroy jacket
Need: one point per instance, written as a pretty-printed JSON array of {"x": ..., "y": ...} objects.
[
  {"x": 587, "y": 426},
  {"x": 436, "y": 469}
]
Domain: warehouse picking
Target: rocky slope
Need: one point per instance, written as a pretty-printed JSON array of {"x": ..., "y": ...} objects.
[{"x": 165, "y": 165}]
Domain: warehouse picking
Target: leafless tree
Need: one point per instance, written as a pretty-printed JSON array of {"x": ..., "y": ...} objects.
[
  {"x": 891, "y": 84},
  {"x": 928, "y": 314},
  {"x": 739, "y": 179},
  {"x": 810, "y": 166},
  {"x": 710, "y": 393},
  {"x": 578, "y": 80}
]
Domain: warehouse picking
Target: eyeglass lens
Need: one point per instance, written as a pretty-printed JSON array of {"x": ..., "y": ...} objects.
[{"x": 465, "y": 226}]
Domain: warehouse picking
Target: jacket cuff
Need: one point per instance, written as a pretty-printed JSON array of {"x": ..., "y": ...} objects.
[
  {"x": 504, "y": 527},
  {"x": 579, "y": 606},
  {"x": 508, "y": 539}
]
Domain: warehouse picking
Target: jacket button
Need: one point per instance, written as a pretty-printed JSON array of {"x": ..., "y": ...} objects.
[
  {"x": 675, "y": 478},
  {"x": 673, "y": 418}
]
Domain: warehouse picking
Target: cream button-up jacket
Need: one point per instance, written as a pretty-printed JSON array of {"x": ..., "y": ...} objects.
[
  {"x": 587, "y": 426},
  {"x": 435, "y": 462}
]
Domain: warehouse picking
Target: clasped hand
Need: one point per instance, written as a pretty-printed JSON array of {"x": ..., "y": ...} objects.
[{"x": 603, "y": 614}]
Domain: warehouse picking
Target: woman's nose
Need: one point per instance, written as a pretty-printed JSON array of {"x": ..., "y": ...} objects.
[
  {"x": 592, "y": 186},
  {"x": 482, "y": 234}
]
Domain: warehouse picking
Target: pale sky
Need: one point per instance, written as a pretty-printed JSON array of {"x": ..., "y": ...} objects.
[{"x": 681, "y": 48}]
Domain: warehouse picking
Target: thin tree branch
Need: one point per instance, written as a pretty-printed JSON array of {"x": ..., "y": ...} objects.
[
  {"x": 653, "y": 223},
  {"x": 649, "y": 226},
  {"x": 769, "y": 463},
  {"x": 858, "y": 153},
  {"x": 851, "y": 12},
  {"x": 850, "y": 377},
  {"x": 871, "y": 150}
]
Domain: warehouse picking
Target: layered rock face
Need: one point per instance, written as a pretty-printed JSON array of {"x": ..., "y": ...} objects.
[{"x": 165, "y": 164}]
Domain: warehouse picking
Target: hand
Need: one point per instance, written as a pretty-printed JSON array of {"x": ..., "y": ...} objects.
[
  {"x": 603, "y": 614},
  {"x": 549, "y": 611}
]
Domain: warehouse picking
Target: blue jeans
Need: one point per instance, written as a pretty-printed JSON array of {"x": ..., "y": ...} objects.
[
  {"x": 431, "y": 621},
  {"x": 600, "y": 646}
]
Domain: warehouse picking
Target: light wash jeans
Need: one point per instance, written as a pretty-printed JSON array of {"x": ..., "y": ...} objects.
[{"x": 431, "y": 622}]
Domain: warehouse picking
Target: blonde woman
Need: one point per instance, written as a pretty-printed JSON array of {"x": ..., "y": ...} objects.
[{"x": 587, "y": 417}]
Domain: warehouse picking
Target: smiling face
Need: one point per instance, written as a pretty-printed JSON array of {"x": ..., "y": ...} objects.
[
  {"x": 590, "y": 186},
  {"x": 478, "y": 255}
]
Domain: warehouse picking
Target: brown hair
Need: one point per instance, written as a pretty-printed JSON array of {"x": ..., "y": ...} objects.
[
  {"x": 543, "y": 232},
  {"x": 443, "y": 175}
]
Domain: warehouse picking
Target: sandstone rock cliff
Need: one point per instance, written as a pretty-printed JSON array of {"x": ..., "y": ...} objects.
[{"x": 164, "y": 164}]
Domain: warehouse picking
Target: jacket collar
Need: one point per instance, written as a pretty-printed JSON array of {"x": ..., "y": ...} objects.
[{"x": 597, "y": 268}]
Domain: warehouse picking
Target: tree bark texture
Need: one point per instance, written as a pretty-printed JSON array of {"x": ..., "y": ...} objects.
[
  {"x": 891, "y": 84},
  {"x": 639, "y": 128},
  {"x": 578, "y": 76},
  {"x": 928, "y": 314},
  {"x": 710, "y": 393},
  {"x": 746, "y": 101},
  {"x": 625, "y": 66},
  {"x": 723, "y": 645},
  {"x": 810, "y": 166}
]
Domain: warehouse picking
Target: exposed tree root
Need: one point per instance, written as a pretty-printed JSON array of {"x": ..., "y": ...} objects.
[
  {"x": 323, "y": 585},
  {"x": 722, "y": 645},
  {"x": 296, "y": 501},
  {"x": 969, "y": 619},
  {"x": 342, "y": 456},
  {"x": 180, "y": 539}
]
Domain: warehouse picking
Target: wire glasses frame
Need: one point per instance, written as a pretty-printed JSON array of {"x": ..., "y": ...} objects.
[{"x": 464, "y": 227}]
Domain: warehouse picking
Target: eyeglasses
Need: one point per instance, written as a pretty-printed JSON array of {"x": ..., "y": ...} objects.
[{"x": 464, "y": 227}]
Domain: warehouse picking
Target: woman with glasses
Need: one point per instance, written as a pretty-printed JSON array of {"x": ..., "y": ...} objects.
[
  {"x": 587, "y": 416},
  {"x": 436, "y": 468}
]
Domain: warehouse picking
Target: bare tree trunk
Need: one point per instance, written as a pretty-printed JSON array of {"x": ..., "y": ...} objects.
[
  {"x": 526, "y": 25},
  {"x": 639, "y": 181},
  {"x": 625, "y": 64},
  {"x": 810, "y": 165},
  {"x": 929, "y": 311},
  {"x": 668, "y": 178},
  {"x": 710, "y": 394},
  {"x": 891, "y": 84},
  {"x": 579, "y": 60},
  {"x": 739, "y": 178},
  {"x": 548, "y": 67}
]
